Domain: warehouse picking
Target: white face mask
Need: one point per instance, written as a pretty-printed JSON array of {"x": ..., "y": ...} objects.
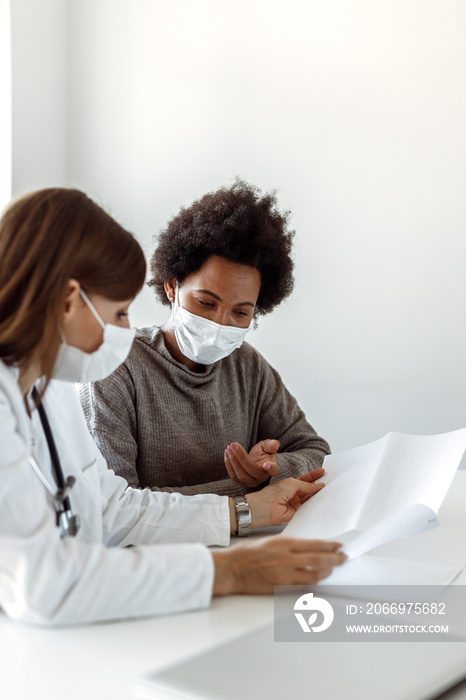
[
  {"x": 75, "y": 365},
  {"x": 202, "y": 340}
]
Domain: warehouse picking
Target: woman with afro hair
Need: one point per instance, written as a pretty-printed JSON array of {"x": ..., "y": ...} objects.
[{"x": 194, "y": 409}]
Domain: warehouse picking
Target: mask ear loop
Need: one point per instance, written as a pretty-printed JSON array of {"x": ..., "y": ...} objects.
[
  {"x": 92, "y": 307},
  {"x": 176, "y": 301}
]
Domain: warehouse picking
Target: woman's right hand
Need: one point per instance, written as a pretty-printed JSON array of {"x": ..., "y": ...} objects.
[{"x": 257, "y": 565}]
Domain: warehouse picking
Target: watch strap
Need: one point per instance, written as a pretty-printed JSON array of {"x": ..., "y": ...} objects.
[{"x": 243, "y": 515}]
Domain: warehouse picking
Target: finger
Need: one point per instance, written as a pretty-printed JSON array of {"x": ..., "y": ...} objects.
[
  {"x": 270, "y": 446},
  {"x": 305, "y": 488},
  {"x": 236, "y": 471},
  {"x": 298, "y": 545},
  {"x": 312, "y": 561},
  {"x": 302, "y": 577},
  {"x": 271, "y": 468},
  {"x": 309, "y": 578},
  {"x": 312, "y": 475},
  {"x": 299, "y": 499},
  {"x": 229, "y": 468},
  {"x": 239, "y": 459}
]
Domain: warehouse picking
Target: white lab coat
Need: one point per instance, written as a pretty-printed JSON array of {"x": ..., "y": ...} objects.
[{"x": 50, "y": 580}]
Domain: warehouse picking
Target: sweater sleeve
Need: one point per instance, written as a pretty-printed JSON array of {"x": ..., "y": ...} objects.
[{"x": 301, "y": 449}]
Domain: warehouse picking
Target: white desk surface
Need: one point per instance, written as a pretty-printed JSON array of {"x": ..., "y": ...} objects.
[{"x": 104, "y": 660}]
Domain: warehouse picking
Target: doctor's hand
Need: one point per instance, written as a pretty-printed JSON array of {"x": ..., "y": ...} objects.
[
  {"x": 277, "y": 503},
  {"x": 256, "y": 566},
  {"x": 252, "y": 469},
  {"x": 312, "y": 475}
]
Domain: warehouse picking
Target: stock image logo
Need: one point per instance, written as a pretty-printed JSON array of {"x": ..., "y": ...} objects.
[
  {"x": 379, "y": 613},
  {"x": 311, "y": 604}
]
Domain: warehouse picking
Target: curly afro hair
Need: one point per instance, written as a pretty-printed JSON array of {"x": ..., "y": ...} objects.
[{"x": 238, "y": 223}]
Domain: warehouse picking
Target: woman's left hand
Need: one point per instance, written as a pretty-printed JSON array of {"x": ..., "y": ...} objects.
[
  {"x": 252, "y": 469},
  {"x": 277, "y": 503}
]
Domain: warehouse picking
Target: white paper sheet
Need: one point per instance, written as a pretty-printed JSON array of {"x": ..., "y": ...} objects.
[
  {"x": 373, "y": 571},
  {"x": 387, "y": 489}
]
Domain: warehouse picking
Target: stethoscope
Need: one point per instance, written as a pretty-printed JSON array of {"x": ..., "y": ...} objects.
[{"x": 68, "y": 523}]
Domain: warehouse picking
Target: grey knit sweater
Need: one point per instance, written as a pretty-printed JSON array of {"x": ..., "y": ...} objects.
[{"x": 162, "y": 426}]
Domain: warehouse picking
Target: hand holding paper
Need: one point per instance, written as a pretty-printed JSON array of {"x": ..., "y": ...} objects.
[{"x": 387, "y": 489}]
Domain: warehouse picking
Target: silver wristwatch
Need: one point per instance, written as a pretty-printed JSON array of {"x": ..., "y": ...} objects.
[{"x": 243, "y": 516}]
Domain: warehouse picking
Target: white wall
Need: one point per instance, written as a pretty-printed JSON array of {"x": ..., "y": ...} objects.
[
  {"x": 354, "y": 110},
  {"x": 5, "y": 101},
  {"x": 39, "y": 67}
]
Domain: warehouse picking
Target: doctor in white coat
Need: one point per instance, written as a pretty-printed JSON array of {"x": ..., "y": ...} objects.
[{"x": 68, "y": 273}]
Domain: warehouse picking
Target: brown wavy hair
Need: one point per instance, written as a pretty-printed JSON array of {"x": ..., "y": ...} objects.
[{"x": 46, "y": 238}]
